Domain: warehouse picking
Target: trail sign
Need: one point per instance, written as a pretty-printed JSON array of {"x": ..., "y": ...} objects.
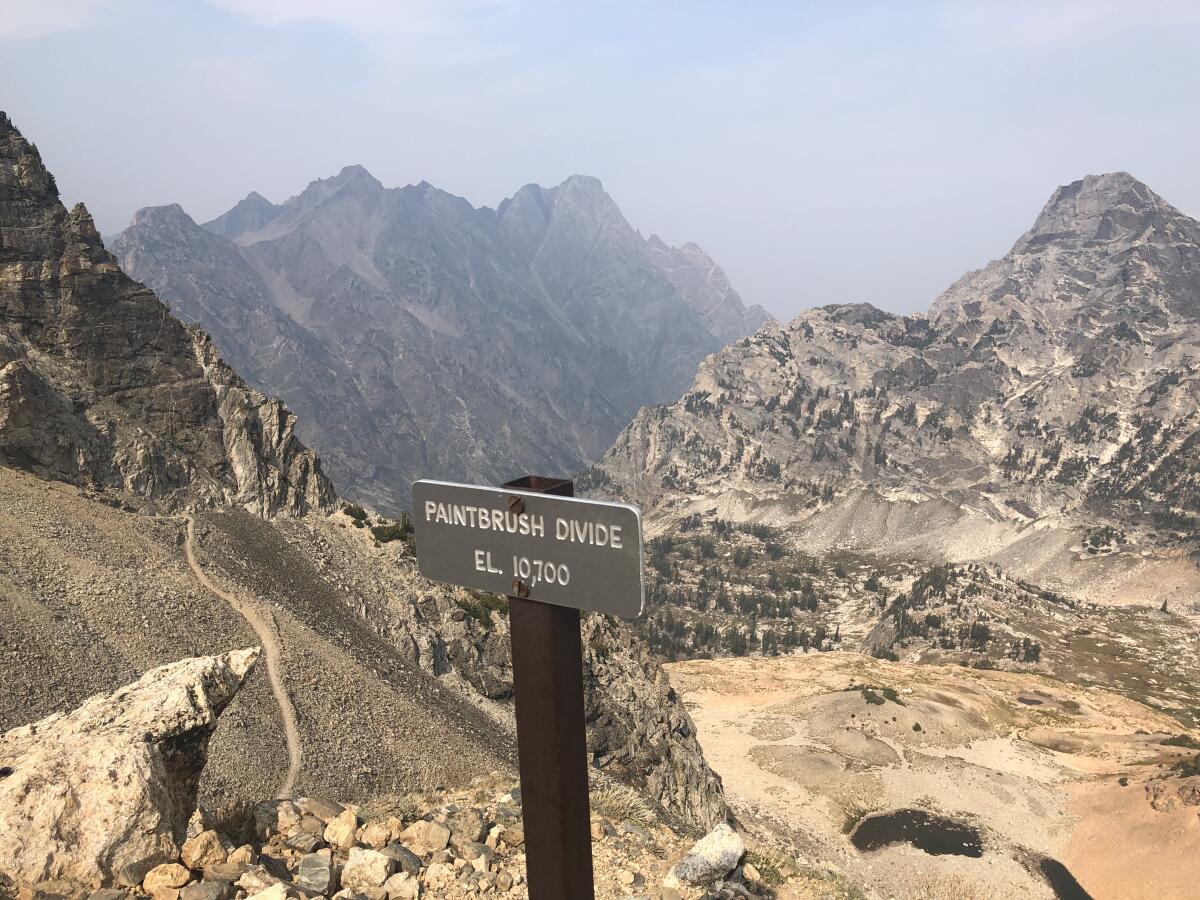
[
  {"x": 584, "y": 554},
  {"x": 553, "y": 555}
]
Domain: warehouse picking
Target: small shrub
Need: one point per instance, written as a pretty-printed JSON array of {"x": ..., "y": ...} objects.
[
  {"x": 871, "y": 697},
  {"x": 387, "y": 533},
  {"x": 1181, "y": 740},
  {"x": 621, "y": 803},
  {"x": 771, "y": 864},
  {"x": 356, "y": 512}
]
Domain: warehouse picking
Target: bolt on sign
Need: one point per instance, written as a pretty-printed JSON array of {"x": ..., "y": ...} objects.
[{"x": 584, "y": 554}]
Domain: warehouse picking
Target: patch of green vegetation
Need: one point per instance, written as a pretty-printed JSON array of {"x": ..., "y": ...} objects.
[
  {"x": 871, "y": 697},
  {"x": 889, "y": 693},
  {"x": 772, "y": 866},
  {"x": 355, "y": 511},
  {"x": 1181, "y": 740},
  {"x": 480, "y": 606}
]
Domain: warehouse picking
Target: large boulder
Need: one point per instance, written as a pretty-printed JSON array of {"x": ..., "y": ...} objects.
[
  {"x": 104, "y": 793},
  {"x": 713, "y": 856}
]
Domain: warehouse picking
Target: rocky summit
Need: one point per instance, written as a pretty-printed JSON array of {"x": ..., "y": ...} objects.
[
  {"x": 102, "y": 387},
  {"x": 1044, "y": 415},
  {"x": 416, "y": 335}
]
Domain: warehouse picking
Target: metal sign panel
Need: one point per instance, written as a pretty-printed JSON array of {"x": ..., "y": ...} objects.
[{"x": 584, "y": 554}]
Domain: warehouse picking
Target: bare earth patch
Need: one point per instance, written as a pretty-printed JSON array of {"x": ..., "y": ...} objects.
[{"x": 811, "y": 745}]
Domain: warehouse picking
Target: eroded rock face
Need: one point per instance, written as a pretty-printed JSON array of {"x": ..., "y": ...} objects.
[
  {"x": 101, "y": 386},
  {"x": 1054, "y": 392},
  {"x": 104, "y": 793}
]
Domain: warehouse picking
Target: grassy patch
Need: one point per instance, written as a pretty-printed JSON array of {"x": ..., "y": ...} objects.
[{"x": 621, "y": 803}]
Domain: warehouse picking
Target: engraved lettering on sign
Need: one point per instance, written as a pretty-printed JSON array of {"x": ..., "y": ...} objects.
[{"x": 573, "y": 552}]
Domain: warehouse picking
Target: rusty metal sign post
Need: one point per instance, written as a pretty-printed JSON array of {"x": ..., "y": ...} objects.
[{"x": 553, "y": 555}]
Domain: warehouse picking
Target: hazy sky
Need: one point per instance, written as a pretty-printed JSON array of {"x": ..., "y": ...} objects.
[{"x": 820, "y": 152}]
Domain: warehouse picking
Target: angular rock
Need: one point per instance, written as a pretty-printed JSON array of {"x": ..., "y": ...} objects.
[
  {"x": 207, "y": 890},
  {"x": 376, "y": 834},
  {"x": 342, "y": 831},
  {"x": 104, "y": 793},
  {"x": 315, "y": 872},
  {"x": 402, "y": 886},
  {"x": 205, "y": 849},
  {"x": 167, "y": 875},
  {"x": 405, "y": 859},
  {"x": 426, "y": 837},
  {"x": 466, "y": 825},
  {"x": 277, "y": 891},
  {"x": 322, "y": 809},
  {"x": 366, "y": 869},
  {"x": 713, "y": 856}
]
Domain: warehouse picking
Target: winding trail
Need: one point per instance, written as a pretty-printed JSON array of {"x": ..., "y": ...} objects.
[{"x": 270, "y": 644}]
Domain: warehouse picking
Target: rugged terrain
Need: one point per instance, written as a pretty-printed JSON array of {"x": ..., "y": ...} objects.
[
  {"x": 418, "y": 336},
  {"x": 1044, "y": 416}
]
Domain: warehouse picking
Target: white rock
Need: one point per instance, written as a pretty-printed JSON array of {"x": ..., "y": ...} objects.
[
  {"x": 713, "y": 856},
  {"x": 99, "y": 794},
  {"x": 277, "y": 891},
  {"x": 402, "y": 886},
  {"x": 426, "y": 837},
  {"x": 342, "y": 831},
  {"x": 366, "y": 869}
]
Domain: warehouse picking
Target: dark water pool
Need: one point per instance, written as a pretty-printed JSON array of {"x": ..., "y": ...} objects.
[{"x": 936, "y": 835}]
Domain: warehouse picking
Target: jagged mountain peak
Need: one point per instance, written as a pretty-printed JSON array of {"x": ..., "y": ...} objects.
[{"x": 1112, "y": 207}]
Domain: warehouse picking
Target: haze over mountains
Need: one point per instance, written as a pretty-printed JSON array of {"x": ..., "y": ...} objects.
[
  {"x": 416, "y": 335},
  {"x": 137, "y": 471},
  {"x": 1045, "y": 414}
]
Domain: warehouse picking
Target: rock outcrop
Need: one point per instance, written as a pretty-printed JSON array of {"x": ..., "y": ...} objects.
[
  {"x": 1048, "y": 402},
  {"x": 417, "y": 336},
  {"x": 104, "y": 793},
  {"x": 101, "y": 386}
]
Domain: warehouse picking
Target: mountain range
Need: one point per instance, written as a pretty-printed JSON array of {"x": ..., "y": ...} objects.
[
  {"x": 154, "y": 507},
  {"x": 416, "y": 335},
  {"x": 1044, "y": 414}
]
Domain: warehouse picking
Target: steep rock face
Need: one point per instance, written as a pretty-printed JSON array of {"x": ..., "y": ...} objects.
[
  {"x": 416, "y": 335},
  {"x": 1055, "y": 387},
  {"x": 104, "y": 793},
  {"x": 101, "y": 386}
]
